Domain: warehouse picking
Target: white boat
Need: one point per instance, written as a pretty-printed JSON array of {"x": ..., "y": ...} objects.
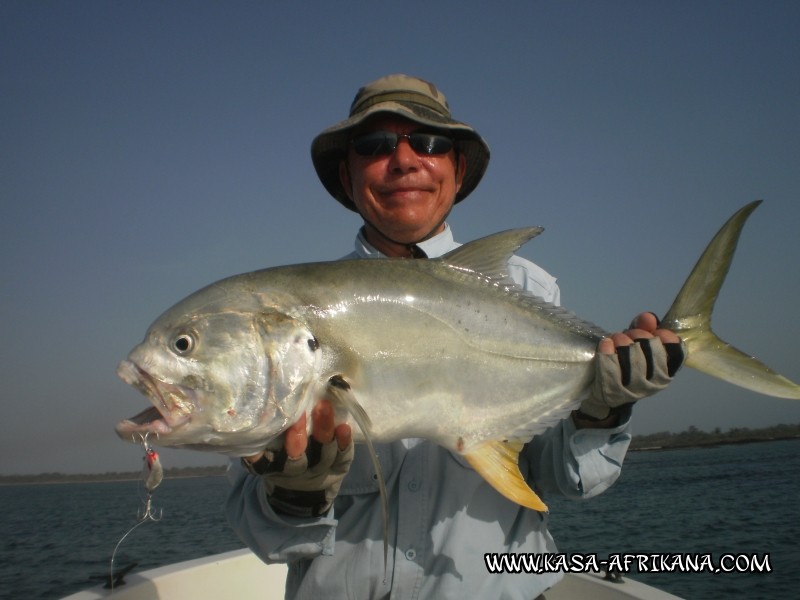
[{"x": 240, "y": 574}]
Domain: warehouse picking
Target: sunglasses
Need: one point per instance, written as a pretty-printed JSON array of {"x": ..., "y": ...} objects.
[{"x": 383, "y": 143}]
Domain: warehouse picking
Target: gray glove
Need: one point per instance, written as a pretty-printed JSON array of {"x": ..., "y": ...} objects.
[
  {"x": 632, "y": 373},
  {"x": 307, "y": 485}
]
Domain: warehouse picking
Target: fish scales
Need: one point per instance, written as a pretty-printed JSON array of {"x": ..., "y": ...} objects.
[{"x": 437, "y": 342}]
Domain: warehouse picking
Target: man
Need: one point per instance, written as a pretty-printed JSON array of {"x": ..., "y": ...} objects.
[{"x": 402, "y": 163}]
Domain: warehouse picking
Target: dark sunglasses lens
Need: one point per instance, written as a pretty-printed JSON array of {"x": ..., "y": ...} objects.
[
  {"x": 381, "y": 143},
  {"x": 430, "y": 143},
  {"x": 377, "y": 143}
]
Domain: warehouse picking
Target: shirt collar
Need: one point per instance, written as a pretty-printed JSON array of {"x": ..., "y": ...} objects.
[{"x": 434, "y": 247}]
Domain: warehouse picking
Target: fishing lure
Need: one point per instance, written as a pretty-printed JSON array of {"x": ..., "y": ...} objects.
[
  {"x": 152, "y": 475},
  {"x": 154, "y": 472}
]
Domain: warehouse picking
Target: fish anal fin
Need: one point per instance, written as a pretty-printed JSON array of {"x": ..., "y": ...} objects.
[{"x": 497, "y": 462}]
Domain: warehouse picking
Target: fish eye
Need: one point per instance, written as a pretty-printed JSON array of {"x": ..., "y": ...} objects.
[{"x": 183, "y": 344}]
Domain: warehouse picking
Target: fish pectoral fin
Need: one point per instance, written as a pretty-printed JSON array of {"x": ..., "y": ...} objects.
[
  {"x": 498, "y": 463},
  {"x": 339, "y": 391},
  {"x": 341, "y": 394}
]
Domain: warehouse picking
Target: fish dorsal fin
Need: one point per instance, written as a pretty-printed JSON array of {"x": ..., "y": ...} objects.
[
  {"x": 498, "y": 463},
  {"x": 489, "y": 256},
  {"x": 339, "y": 392},
  {"x": 488, "y": 259}
]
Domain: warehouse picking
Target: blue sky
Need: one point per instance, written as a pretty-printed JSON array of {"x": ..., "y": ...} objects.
[{"x": 149, "y": 148}]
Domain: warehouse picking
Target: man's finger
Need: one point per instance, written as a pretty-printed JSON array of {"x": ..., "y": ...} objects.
[
  {"x": 295, "y": 438},
  {"x": 667, "y": 336},
  {"x": 322, "y": 422},
  {"x": 621, "y": 339},
  {"x": 638, "y": 334},
  {"x": 344, "y": 436},
  {"x": 606, "y": 346},
  {"x": 646, "y": 320}
]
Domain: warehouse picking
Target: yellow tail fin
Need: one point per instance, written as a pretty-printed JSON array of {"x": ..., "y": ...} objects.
[{"x": 497, "y": 462}]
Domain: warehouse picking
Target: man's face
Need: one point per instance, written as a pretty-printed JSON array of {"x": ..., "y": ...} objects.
[{"x": 405, "y": 195}]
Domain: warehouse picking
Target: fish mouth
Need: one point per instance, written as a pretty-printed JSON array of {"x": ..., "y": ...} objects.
[{"x": 172, "y": 404}]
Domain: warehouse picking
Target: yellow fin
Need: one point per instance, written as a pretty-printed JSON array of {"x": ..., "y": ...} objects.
[{"x": 497, "y": 462}]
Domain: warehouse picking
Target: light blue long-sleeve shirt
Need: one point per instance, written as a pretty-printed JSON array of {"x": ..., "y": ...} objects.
[{"x": 443, "y": 517}]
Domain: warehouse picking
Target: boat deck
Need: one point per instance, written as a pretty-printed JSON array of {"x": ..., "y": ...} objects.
[{"x": 240, "y": 574}]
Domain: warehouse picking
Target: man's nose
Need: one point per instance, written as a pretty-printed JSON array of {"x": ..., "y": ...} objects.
[{"x": 404, "y": 158}]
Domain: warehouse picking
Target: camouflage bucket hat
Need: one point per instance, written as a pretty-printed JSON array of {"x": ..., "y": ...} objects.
[{"x": 408, "y": 97}]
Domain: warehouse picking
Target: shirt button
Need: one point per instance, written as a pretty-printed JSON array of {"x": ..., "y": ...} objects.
[
  {"x": 411, "y": 554},
  {"x": 413, "y": 486}
]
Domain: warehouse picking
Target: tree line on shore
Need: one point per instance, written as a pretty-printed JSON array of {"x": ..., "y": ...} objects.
[{"x": 692, "y": 437}]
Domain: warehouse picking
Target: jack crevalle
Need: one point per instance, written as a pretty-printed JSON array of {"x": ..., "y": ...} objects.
[{"x": 445, "y": 349}]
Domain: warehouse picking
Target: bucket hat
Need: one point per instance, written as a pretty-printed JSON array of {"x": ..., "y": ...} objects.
[{"x": 410, "y": 98}]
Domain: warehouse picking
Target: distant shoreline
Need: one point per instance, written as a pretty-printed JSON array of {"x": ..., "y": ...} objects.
[
  {"x": 60, "y": 478},
  {"x": 712, "y": 444},
  {"x": 654, "y": 442},
  {"x": 695, "y": 438}
]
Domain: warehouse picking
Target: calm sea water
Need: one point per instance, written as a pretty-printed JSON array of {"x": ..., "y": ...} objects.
[{"x": 730, "y": 499}]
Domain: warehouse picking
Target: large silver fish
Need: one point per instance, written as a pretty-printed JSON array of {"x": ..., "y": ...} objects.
[{"x": 447, "y": 349}]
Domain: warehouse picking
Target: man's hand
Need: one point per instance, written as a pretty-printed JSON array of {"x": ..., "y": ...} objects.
[
  {"x": 303, "y": 478},
  {"x": 629, "y": 366}
]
